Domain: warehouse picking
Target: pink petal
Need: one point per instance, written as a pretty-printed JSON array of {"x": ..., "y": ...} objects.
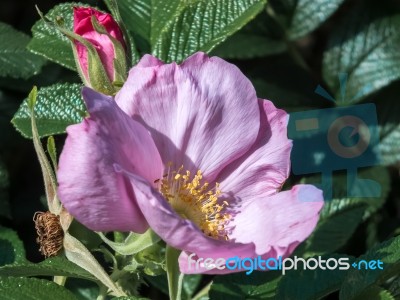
[
  {"x": 89, "y": 187},
  {"x": 281, "y": 221},
  {"x": 177, "y": 232},
  {"x": 202, "y": 114},
  {"x": 264, "y": 168}
]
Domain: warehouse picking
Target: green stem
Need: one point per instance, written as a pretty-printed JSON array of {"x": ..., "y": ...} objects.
[{"x": 174, "y": 276}]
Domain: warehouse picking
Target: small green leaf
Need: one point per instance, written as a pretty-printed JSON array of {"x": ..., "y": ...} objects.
[
  {"x": 32, "y": 98},
  {"x": 12, "y": 288},
  {"x": 296, "y": 283},
  {"x": 134, "y": 243},
  {"x": 11, "y": 247},
  {"x": 357, "y": 281},
  {"x": 57, "y": 107},
  {"x": 55, "y": 266},
  {"x": 49, "y": 42},
  {"x": 257, "y": 285},
  {"x": 15, "y": 60},
  {"x": 51, "y": 149},
  {"x": 299, "y": 17},
  {"x": 365, "y": 47}
]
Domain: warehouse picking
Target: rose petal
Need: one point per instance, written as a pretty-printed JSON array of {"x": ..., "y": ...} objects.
[
  {"x": 264, "y": 168},
  {"x": 281, "y": 221},
  {"x": 89, "y": 188},
  {"x": 202, "y": 114}
]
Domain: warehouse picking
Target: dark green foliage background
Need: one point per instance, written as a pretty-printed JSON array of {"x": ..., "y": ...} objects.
[{"x": 287, "y": 48}]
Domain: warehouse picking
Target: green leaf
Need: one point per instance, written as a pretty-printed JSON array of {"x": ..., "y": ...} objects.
[
  {"x": 49, "y": 42},
  {"x": 55, "y": 266},
  {"x": 82, "y": 289},
  {"x": 15, "y": 60},
  {"x": 57, "y": 107},
  {"x": 137, "y": 16},
  {"x": 357, "y": 281},
  {"x": 261, "y": 37},
  {"x": 257, "y": 285},
  {"x": 296, "y": 283},
  {"x": 366, "y": 46},
  {"x": 299, "y": 17},
  {"x": 11, "y": 247},
  {"x": 180, "y": 28},
  {"x": 32, "y": 289},
  {"x": 341, "y": 216},
  {"x": 175, "y": 29}
]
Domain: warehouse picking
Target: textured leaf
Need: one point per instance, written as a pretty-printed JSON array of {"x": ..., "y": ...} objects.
[
  {"x": 366, "y": 47},
  {"x": 11, "y": 248},
  {"x": 300, "y": 17},
  {"x": 358, "y": 281},
  {"x": 137, "y": 16},
  {"x": 49, "y": 41},
  {"x": 257, "y": 285},
  {"x": 55, "y": 266},
  {"x": 56, "y": 107},
  {"x": 180, "y": 28},
  {"x": 296, "y": 283},
  {"x": 341, "y": 216},
  {"x": 175, "y": 29},
  {"x": 15, "y": 60},
  {"x": 32, "y": 289}
]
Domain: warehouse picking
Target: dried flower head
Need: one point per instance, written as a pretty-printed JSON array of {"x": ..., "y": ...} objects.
[{"x": 50, "y": 233}]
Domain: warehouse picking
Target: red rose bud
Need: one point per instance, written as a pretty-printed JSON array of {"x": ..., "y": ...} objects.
[{"x": 99, "y": 50}]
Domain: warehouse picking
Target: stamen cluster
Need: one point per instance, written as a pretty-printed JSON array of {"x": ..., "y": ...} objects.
[{"x": 195, "y": 201}]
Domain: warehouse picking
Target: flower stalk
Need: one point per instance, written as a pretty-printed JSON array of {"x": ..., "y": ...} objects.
[{"x": 175, "y": 277}]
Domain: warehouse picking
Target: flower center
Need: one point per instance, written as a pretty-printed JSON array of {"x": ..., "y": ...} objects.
[{"x": 195, "y": 201}]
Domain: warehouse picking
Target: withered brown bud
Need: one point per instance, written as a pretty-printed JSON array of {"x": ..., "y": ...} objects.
[{"x": 50, "y": 233}]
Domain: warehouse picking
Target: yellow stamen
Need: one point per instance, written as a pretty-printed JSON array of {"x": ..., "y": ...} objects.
[{"x": 193, "y": 200}]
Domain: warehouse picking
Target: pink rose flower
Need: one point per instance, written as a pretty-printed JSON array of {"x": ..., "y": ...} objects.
[
  {"x": 190, "y": 151},
  {"x": 103, "y": 44}
]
